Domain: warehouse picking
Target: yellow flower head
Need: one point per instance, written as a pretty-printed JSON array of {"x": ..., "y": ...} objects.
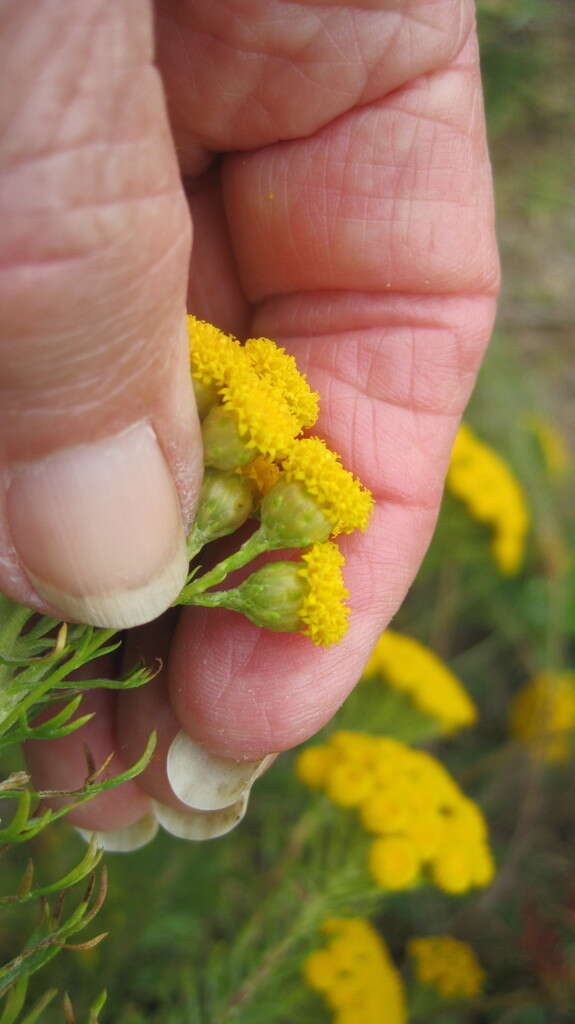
[
  {"x": 313, "y": 766},
  {"x": 258, "y": 382},
  {"x": 273, "y": 364},
  {"x": 407, "y": 665},
  {"x": 214, "y": 356},
  {"x": 543, "y": 715},
  {"x": 355, "y": 975},
  {"x": 447, "y": 965},
  {"x": 394, "y": 862},
  {"x": 493, "y": 495},
  {"x": 307, "y": 596},
  {"x": 323, "y": 611},
  {"x": 264, "y": 421},
  {"x": 426, "y": 828},
  {"x": 345, "y": 502}
]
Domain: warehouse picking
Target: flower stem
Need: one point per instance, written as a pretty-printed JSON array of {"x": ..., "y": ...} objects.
[{"x": 250, "y": 549}]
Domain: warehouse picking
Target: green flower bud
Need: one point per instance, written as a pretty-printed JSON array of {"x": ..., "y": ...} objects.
[
  {"x": 206, "y": 397},
  {"x": 224, "y": 448},
  {"x": 291, "y": 517},
  {"x": 226, "y": 501},
  {"x": 271, "y": 597}
]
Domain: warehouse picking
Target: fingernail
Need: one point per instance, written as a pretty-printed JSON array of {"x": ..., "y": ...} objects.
[
  {"x": 206, "y": 782},
  {"x": 198, "y": 826},
  {"x": 124, "y": 840},
  {"x": 99, "y": 531}
]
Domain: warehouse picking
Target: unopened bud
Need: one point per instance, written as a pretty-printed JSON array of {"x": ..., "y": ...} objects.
[
  {"x": 291, "y": 517},
  {"x": 224, "y": 447},
  {"x": 226, "y": 501},
  {"x": 271, "y": 597}
]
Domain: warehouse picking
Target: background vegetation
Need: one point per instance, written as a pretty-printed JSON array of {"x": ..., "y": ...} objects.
[{"x": 213, "y": 933}]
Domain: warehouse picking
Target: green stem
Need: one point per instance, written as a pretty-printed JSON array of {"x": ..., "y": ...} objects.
[
  {"x": 250, "y": 549},
  {"x": 217, "y": 599},
  {"x": 194, "y": 543},
  {"x": 13, "y": 618}
]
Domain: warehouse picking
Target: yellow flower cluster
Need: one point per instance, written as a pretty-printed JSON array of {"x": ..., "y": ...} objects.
[
  {"x": 543, "y": 715},
  {"x": 356, "y": 976},
  {"x": 426, "y": 827},
  {"x": 408, "y": 666},
  {"x": 480, "y": 478},
  {"x": 269, "y": 400},
  {"x": 260, "y": 403},
  {"x": 323, "y": 611},
  {"x": 447, "y": 965}
]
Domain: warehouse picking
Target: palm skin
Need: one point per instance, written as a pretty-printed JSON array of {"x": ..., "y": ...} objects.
[{"x": 348, "y": 215}]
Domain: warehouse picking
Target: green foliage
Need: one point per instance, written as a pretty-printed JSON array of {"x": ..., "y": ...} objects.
[{"x": 37, "y": 658}]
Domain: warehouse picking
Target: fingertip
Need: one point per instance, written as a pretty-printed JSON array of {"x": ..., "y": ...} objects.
[{"x": 244, "y": 693}]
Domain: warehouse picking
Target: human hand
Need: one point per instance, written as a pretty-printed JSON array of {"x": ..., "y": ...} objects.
[{"x": 349, "y": 217}]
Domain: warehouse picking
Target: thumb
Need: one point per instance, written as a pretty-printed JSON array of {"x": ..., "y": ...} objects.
[{"x": 100, "y": 456}]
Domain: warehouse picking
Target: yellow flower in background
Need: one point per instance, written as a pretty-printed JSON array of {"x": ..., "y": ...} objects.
[
  {"x": 426, "y": 828},
  {"x": 543, "y": 715},
  {"x": 394, "y": 862},
  {"x": 485, "y": 483},
  {"x": 408, "y": 666},
  {"x": 552, "y": 445},
  {"x": 447, "y": 965},
  {"x": 355, "y": 975},
  {"x": 345, "y": 502}
]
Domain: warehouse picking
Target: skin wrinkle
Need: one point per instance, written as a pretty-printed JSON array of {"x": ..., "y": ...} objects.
[
  {"x": 447, "y": 41},
  {"x": 378, "y": 309},
  {"x": 56, "y": 77},
  {"x": 124, "y": 352},
  {"x": 409, "y": 402},
  {"x": 398, "y": 212}
]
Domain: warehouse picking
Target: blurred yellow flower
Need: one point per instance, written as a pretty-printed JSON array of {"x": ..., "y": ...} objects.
[
  {"x": 394, "y": 862},
  {"x": 493, "y": 495},
  {"x": 355, "y": 975},
  {"x": 426, "y": 828},
  {"x": 406, "y": 665},
  {"x": 447, "y": 965},
  {"x": 543, "y": 715}
]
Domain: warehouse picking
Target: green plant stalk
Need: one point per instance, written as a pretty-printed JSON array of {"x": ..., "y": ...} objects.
[{"x": 255, "y": 545}]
